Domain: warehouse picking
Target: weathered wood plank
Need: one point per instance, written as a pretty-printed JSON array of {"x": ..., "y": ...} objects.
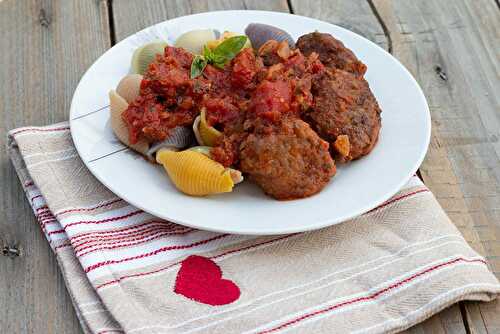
[
  {"x": 46, "y": 46},
  {"x": 451, "y": 47},
  {"x": 484, "y": 317},
  {"x": 131, "y": 16},
  {"x": 355, "y": 15},
  {"x": 448, "y": 321},
  {"x": 474, "y": 319}
]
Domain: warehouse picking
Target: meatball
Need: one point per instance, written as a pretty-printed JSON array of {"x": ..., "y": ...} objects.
[
  {"x": 287, "y": 160},
  {"x": 345, "y": 113},
  {"x": 331, "y": 51}
]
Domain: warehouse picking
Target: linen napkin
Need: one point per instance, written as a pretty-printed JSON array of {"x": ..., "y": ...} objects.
[{"x": 129, "y": 272}]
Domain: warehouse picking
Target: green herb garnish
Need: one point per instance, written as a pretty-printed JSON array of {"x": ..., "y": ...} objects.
[
  {"x": 197, "y": 66},
  {"x": 219, "y": 56}
]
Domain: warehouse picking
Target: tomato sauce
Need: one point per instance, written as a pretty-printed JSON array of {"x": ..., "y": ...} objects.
[
  {"x": 271, "y": 99},
  {"x": 244, "y": 89}
]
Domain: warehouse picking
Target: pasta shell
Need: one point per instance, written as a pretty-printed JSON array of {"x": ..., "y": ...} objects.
[
  {"x": 194, "y": 40},
  {"x": 196, "y": 130},
  {"x": 195, "y": 174},
  {"x": 179, "y": 138},
  {"x": 205, "y": 134},
  {"x": 201, "y": 149},
  {"x": 235, "y": 174},
  {"x": 145, "y": 55},
  {"x": 129, "y": 87},
  {"x": 117, "y": 106},
  {"x": 259, "y": 34}
]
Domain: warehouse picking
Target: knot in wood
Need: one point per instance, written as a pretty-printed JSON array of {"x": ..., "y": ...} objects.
[
  {"x": 441, "y": 73},
  {"x": 11, "y": 251},
  {"x": 43, "y": 18}
]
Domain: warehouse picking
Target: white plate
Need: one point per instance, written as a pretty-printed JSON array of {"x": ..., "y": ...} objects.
[{"x": 357, "y": 187}]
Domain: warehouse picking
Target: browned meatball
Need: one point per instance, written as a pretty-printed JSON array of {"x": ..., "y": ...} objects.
[
  {"x": 344, "y": 108},
  {"x": 287, "y": 160},
  {"x": 331, "y": 51}
]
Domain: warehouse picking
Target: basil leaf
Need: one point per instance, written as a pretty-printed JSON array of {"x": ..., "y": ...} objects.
[
  {"x": 208, "y": 54},
  {"x": 197, "y": 66},
  {"x": 211, "y": 57},
  {"x": 228, "y": 49},
  {"x": 218, "y": 60},
  {"x": 219, "y": 56},
  {"x": 220, "y": 64}
]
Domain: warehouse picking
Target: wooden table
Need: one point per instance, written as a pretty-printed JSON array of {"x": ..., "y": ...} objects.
[{"x": 451, "y": 47}]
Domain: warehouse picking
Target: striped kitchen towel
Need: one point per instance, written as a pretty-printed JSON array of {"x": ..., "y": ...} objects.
[{"x": 129, "y": 272}]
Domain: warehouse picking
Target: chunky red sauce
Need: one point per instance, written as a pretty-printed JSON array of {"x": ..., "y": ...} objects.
[
  {"x": 271, "y": 99},
  {"x": 245, "y": 89}
]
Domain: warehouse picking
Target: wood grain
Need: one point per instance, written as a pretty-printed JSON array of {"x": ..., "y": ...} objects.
[
  {"x": 475, "y": 321},
  {"x": 451, "y": 47},
  {"x": 131, "y": 16},
  {"x": 447, "y": 321},
  {"x": 46, "y": 46},
  {"x": 355, "y": 15}
]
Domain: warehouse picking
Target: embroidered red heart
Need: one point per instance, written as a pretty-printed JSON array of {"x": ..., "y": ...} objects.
[{"x": 200, "y": 279}]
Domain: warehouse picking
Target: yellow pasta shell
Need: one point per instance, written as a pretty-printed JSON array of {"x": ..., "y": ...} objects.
[
  {"x": 205, "y": 150},
  {"x": 117, "y": 106},
  {"x": 195, "y": 174},
  {"x": 207, "y": 133},
  {"x": 236, "y": 175}
]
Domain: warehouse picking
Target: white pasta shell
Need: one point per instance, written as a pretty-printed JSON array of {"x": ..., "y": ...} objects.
[
  {"x": 194, "y": 40},
  {"x": 145, "y": 55},
  {"x": 129, "y": 87},
  {"x": 117, "y": 106}
]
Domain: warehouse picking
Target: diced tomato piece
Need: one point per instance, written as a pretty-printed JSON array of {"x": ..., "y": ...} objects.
[{"x": 271, "y": 99}]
